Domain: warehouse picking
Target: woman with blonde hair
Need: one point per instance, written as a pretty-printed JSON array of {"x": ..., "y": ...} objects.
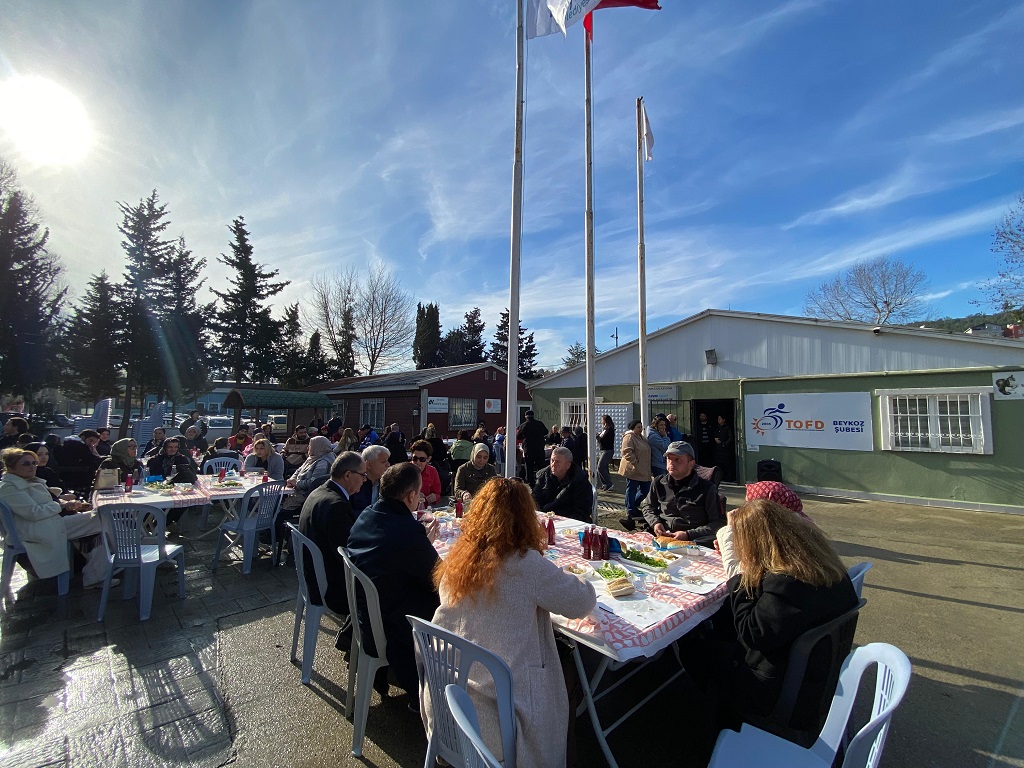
[
  {"x": 791, "y": 580},
  {"x": 498, "y": 590},
  {"x": 312, "y": 473}
]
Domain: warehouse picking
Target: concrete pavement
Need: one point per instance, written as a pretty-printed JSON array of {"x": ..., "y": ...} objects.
[{"x": 207, "y": 681}]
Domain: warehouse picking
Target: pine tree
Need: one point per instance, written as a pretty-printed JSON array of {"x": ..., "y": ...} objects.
[
  {"x": 91, "y": 348},
  {"x": 473, "y": 332},
  {"x": 291, "y": 357},
  {"x": 499, "y": 347},
  {"x": 452, "y": 350},
  {"x": 426, "y": 344},
  {"x": 31, "y": 292},
  {"x": 346, "y": 362},
  {"x": 183, "y": 342},
  {"x": 527, "y": 348},
  {"x": 574, "y": 355},
  {"x": 243, "y": 327}
]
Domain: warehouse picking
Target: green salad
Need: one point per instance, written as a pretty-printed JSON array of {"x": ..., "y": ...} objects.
[
  {"x": 639, "y": 557},
  {"x": 611, "y": 571}
]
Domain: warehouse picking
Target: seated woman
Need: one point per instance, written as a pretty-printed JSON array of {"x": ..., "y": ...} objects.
[
  {"x": 42, "y": 529},
  {"x": 152, "y": 448},
  {"x": 791, "y": 580},
  {"x": 123, "y": 458},
  {"x": 498, "y": 590},
  {"x": 462, "y": 446},
  {"x": 313, "y": 472},
  {"x": 396, "y": 447},
  {"x": 193, "y": 441},
  {"x": 264, "y": 459},
  {"x": 173, "y": 465},
  {"x": 45, "y": 472},
  {"x": 764, "y": 489},
  {"x": 219, "y": 450},
  {"x": 474, "y": 473}
]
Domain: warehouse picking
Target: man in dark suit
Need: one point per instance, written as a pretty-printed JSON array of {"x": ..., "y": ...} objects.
[
  {"x": 532, "y": 434},
  {"x": 327, "y": 518}
]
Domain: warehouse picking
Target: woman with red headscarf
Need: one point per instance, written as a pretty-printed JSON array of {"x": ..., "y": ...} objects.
[{"x": 764, "y": 489}]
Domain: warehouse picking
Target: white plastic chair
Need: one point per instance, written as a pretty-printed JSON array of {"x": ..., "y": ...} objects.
[
  {"x": 219, "y": 463},
  {"x": 125, "y": 524},
  {"x": 256, "y": 512},
  {"x": 857, "y": 576},
  {"x": 445, "y": 658},
  {"x": 752, "y": 746},
  {"x": 303, "y": 604},
  {"x": 360, "y": 684},
  {"x": 474, "y": 751},
  {"x": 13, "y": 547}
]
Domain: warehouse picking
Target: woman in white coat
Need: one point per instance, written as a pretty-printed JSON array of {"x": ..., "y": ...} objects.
[
  {"x": 38, "y": 521},
  {"x": 498, "y": 590}
]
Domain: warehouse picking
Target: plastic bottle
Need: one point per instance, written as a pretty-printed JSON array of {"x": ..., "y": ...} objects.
[
  {"x": 128, "y": 484},
  {"x": 588, "y": 544},
  {"x": 241, "y": 471},
  {"x": 220, "y": 476},
  {"x": 266, "y": 478},
  {"x": 458, "y": 508},
  {"x": 605, "y": 551},
  {"x": 551, "y": 531}
]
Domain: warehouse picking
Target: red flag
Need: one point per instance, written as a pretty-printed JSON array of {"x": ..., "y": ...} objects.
[{"x": 647, "y": 5}]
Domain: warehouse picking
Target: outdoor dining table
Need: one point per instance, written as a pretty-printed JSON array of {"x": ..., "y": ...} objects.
[{"x": 632, "y": 630}]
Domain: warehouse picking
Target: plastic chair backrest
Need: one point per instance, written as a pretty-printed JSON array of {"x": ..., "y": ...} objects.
[
  {"x": 300, "y": 545},
  {"x": 125, "y": 523},
  {"x": 142, "y": 430},
  {"x": 10, "y": 533},
  {"x": 371, "y": 604},
  {"x": 222, "y": 462},
  {"x": 447, "y": 658},
  {"x": 892, "y": 678},
  {"x": 471, "y": 746},
  {"x": 857, "y": 576},
  {"x": 262, "y": 502},
  {"x": 838, "y": 634}
]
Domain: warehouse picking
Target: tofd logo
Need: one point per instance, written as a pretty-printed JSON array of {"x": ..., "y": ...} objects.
[{"x": 771, "y": 420}]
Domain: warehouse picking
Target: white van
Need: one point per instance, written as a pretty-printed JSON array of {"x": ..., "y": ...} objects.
[{"x": 279, "y": 422}]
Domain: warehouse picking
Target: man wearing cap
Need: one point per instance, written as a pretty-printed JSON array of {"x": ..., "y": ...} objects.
[
  {"x": 367, "y": 436},
  {"x": 681, "y": 504},
  {"x": 532, "y": 433}
]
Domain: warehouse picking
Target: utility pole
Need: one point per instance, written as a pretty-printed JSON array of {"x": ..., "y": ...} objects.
[{"x": 616, "y": 337}]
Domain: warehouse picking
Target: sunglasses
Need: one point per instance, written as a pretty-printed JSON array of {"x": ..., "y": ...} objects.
[{"x": 420, "y": 459}]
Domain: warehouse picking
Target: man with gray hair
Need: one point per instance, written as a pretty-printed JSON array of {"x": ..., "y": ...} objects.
[
  {"x": 563, "y": 488},
  {"x": 377, "y": 462},
  {"x": 326, "y": 518}
]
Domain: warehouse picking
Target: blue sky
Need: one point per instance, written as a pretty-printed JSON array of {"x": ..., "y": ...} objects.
[{"x": 792, "y": 139}]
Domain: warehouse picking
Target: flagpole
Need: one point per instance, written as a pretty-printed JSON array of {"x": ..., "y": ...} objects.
[
  {"x": 640, "y": 256},
  {"x": 512, "y": 392},
  {"x": 591, "y": 421}
]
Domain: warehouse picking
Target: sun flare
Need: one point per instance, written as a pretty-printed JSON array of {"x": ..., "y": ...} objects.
[{"x": 46, "y": 122}]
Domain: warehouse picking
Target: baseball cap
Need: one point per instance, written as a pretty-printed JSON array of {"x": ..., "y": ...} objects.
[{"x": 680, "y": 448}]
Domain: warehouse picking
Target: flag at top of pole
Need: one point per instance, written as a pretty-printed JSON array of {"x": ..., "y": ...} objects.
[
  {"x": 648, "y": 134},
  {"x": 545, "y": 17}
]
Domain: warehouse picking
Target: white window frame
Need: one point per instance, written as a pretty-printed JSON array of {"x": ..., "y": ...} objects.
[
  {"x": 461, "y": 415},
  {"x": 368, "y": 407},
  {"x": 933, "y": 440}
]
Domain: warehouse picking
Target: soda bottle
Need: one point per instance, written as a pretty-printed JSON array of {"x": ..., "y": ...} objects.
[
  {"x": 241, "y": 471},
  {"x": 128, "y": 484},
  {"x": 605, "y": 551},
  {"x": 458, "y": 508},
  {"x": 266, "y": 478},
  {"x": 221, "y": 475},
  {"x": 588, "y": 543},
  {"x": 551, "y": 531}
]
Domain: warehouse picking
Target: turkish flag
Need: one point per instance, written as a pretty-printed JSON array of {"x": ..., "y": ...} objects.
[{"x": 647, "y": 5}]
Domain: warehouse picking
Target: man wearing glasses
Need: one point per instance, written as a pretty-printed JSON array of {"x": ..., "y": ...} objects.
[
  {"x": 430, "y": 493},
  {"x": 326, "y": 518}
]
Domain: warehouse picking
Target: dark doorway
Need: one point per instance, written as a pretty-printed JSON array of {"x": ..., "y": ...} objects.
[{"x": 715, "y": 442}]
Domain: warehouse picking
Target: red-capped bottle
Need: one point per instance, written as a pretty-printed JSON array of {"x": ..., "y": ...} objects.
[
  {"x": 551, "y": 531},
  {"x": 458, "y": 508},
  {"x": 588, "y": 544},
  {"x": 266, "y": 478},
  {"x": 605, "y": 551},
  {"x": 222, "y": 474},
  {"x": 585, "y": 544},
  {"x": 241, "y": 471},
  {"x": 128, "y": 484}
]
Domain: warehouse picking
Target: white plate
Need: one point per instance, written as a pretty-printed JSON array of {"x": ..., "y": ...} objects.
[{"x": 707, "y": 584}]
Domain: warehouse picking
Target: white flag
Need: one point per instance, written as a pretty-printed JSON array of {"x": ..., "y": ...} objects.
[
  {"x": 648, "y": 134},
  {"x": 545, "y": 17}
]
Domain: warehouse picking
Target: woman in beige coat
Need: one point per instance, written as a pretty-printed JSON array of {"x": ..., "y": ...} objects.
[
  {"x": 39, "y": 524},
  {"x": 635, "y": 466},
  {"x": 498, "y": 590}
]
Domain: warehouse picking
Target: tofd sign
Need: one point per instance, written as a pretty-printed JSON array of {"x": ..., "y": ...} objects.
[{"x": 837, "y": 420}]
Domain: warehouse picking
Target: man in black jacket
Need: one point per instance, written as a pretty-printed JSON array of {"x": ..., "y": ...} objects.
[
  {"x": 193, "y": 420},
  {"x": 532, "y": 434},
  {"x": 327, "y": 519},
  {"x": 563, "y": 488},
  {"x": 681, "y": 504}
]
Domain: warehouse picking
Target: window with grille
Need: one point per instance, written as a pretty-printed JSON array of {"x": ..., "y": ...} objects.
[
  {"x": 573, "y": 413},
  {"x": 955, "y": 420},
  {"x": 462, "y": 413},
  {"x": 371, "y": 411}
]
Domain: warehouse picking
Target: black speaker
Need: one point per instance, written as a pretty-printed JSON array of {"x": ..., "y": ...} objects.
[{"x": 769, "y": 469}]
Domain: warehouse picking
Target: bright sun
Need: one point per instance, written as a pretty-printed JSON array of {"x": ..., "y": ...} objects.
[{"x": 46, "y": 122}]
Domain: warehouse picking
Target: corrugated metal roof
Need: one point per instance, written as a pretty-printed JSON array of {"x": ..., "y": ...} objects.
[
  {"x": 403, "y": 379},
  {"x": 276, "y": 398}
]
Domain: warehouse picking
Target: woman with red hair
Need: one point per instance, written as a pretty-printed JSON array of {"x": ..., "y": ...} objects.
[{"x": 498, "y": 590}]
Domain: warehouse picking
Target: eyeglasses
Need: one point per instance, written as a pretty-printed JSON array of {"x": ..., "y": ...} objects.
[
  {"x": 364, "y": 474},
  {"x": 420, "y": 459}
]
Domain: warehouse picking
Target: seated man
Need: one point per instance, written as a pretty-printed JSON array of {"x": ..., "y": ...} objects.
[
  {"x": 474, "y": 473},
  {"x": 377, "y": 463},
  {"x": 327, "y": 518},
  {"x": 681, "y": 504},
  {"x": 394, "y": 550},
  {"x": 563, "y": 488},
  {"x": 240, "y": 441},
  {"x": 295, "y": 449},
  {"x": 367, "y": 436}
]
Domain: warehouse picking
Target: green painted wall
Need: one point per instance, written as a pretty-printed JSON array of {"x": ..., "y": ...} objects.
[{"x": 995, "y": 479}]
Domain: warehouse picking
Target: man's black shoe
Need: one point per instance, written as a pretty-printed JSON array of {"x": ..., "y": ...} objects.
[{"x": 629, "y": 523}]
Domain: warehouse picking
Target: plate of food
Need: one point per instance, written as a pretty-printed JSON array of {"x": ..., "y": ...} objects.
[
  {"x": 228, "y": 484},
  {"x": 159, "y": 486},
  {"x": 609, "y": 571},
  {"x": 653, "y": 563},
  {"x": 684, "y": 548},
  {"x": 579, "y": 569},
  {"x": 696, "y": 582}
]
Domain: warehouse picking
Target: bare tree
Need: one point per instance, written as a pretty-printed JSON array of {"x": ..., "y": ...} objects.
[
  {"x": 1007, "y": 292},
  {"x": 330, "y": 293},
  {"x": 385, "y": 320},
  {"x": 881, "y": 290}
]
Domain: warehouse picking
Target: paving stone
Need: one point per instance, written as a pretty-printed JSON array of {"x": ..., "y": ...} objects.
[{"x": 102, "y": 745}]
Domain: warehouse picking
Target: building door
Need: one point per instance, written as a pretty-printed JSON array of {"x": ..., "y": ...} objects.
[{"x": 721, "y": 424}]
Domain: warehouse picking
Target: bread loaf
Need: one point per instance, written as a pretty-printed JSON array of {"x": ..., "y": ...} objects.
[{"x": 620, "y": 587}]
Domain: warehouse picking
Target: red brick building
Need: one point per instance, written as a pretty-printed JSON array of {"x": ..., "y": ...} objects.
[{"x": 451, "y": 398}]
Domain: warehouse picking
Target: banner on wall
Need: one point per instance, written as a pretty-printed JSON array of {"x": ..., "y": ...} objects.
[
  {"x": 1008, "y": 385},
  {"x": 835, "y": 420},
  {"x": 656, "y": 392},
  {"x": 492, "y": 405},
  {"x": 437, "y": 405}
]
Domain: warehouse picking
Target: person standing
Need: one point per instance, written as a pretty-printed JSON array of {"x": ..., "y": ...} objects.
[
  {"x": 723, "y": 448},
  {"x": 704, "y": 436},
  {"x": 606, "y": 444},
  {"x": 674, "y": 435},
  {"x": 532, "y": 434},
  {"x": 657, "y": 436},
  {"x": 635, "y": 466},
  {"x": 193, "y": 420}
]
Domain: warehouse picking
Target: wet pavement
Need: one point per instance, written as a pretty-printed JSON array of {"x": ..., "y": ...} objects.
[{"x": 207, "y": 680}]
